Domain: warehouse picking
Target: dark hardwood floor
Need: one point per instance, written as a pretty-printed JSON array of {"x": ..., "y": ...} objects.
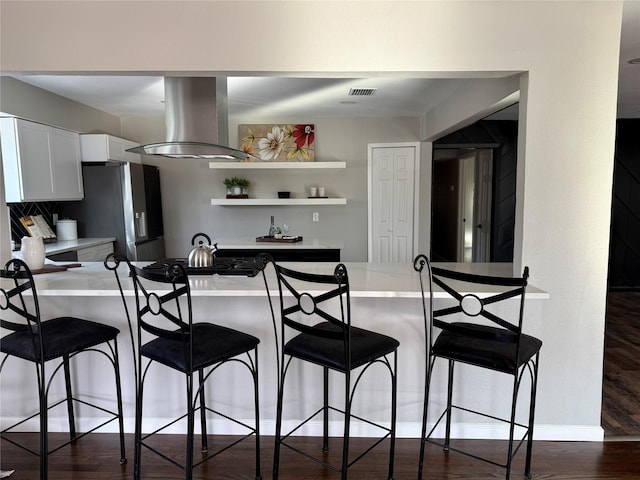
[
  {"x": 96, "y": 457},
  {"x": 621, "y": 385}
]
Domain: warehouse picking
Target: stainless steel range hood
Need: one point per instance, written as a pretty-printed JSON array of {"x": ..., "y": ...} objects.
[{"x": 197, "y": 121}]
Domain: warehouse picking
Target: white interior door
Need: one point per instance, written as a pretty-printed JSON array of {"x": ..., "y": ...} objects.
[
  {"x": 392, "y": 173},
  {"x": 482, "y": 206},
  {"x": 467, "y": 165},
  {"x": 381, "y": 204}
]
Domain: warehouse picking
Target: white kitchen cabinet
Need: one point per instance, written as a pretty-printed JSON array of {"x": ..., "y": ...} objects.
[
  {"x": 100, "y": 148},
  {"x": 96, "y": 253},
  {"x": 40, "y": 162}
]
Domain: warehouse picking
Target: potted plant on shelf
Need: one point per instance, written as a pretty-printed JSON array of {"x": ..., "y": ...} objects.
[
  {"x": 237, "y": 187},
  {"x": 243, "y": 183}
]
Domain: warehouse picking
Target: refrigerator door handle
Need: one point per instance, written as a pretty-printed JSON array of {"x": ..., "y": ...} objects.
[{"x": 141, "y": 224}]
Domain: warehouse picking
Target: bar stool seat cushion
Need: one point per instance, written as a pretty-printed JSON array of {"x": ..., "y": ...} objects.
[
  {"x": 211, "y": 344},
  {"x": 61, "y": 336},
  {"x": 366, "y": 346},
  {"x": 482, "y": 346}
]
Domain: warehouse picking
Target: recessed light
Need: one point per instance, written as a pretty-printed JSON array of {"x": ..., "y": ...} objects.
[{"x": 634, "y": 61}]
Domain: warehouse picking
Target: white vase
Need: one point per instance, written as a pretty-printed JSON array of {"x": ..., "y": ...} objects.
[{"x": 33, "y": 254}]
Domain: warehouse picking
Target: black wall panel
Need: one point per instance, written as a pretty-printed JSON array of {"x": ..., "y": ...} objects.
[{"x": 624, "y": 247}]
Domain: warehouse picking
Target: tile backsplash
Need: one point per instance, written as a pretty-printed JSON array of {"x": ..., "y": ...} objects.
[{"x": 17, "y": 210}]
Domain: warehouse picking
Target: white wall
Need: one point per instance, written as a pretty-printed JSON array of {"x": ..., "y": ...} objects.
[
  {"x": 569, "y": 49},
  {"x": 33, "y": 103},
  {"x": 188, "y": 186}
]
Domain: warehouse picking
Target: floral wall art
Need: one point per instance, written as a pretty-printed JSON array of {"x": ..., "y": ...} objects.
[{"x": 278, "y": 143}]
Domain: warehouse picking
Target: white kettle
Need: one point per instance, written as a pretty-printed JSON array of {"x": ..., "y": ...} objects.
[{"x": 32, "y": 249}]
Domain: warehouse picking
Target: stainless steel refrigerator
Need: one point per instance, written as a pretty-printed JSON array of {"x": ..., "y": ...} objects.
[{"x": 121, "y": 201}]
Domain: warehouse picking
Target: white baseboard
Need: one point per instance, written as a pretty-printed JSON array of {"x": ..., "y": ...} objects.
[{"x": 573, "y": 433}]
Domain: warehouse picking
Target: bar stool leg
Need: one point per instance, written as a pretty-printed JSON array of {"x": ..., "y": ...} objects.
[
  {"x": 449, "y": 401},
  {"x": 70, "y": 413},
  {"x": 276, "y": 452},
  {"x": 425, "y": 411},
  {"x": 394, "y": 390},
  {"x": 137, "y": 455},
  {"x": 347, "y": 424},
  {"x": 257, "y": 412},
  {"x": 116, "y": 366},
  {"x": 325, "y": 420},
  {"x": 188, "y": 462},
  {"x": 203, "y": 413},
  {"x": 532, "y": 409},
  {"x": 44, "y": 422},
  {"x": 514, "y": 403}
]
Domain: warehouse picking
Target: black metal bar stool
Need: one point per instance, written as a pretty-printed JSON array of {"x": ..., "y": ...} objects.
[
  {"x": 164, "y": 335},
  {"x": 42, "y": 342},
  {"x": 334, "y": 345},
  {"x": 472, "y": 330}
]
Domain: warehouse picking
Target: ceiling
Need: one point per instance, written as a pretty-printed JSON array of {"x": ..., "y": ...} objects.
[
  {"x": 258, "y": 96},
  {"x": 325, "y": 97}
]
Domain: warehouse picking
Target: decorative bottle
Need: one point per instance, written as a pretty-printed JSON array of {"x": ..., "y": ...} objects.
[{"x": 272, "y": 228}]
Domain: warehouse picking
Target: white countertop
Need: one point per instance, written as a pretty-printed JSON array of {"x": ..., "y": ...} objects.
[
  {"x": 63, "y": 246},
  {"x": 372, "y": 280},
  {"x": 251, "y": 243}
]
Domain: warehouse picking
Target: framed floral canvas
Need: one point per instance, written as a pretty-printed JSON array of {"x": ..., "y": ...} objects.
[{"x": 278, "y": 143}]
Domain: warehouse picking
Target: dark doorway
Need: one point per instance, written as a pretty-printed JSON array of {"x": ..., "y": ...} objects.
[
  {"x": 461, "y": 200},
  {"x": 500, "y": 136},
  {"x": 444, "y": 202}
]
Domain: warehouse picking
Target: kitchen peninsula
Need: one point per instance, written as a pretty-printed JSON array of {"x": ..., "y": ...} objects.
[{"x": 384, "y": 298}]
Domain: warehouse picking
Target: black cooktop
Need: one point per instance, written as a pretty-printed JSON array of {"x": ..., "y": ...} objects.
[{"x": 239, "y": 266}]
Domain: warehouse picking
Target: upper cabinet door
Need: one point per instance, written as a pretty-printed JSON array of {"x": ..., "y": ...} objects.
[
  {"x": 40, "y": 163},
  {"x": 100, "y": 148},
  {"x": 65, "y": 158},
  {"x": 34, "y": 161}
]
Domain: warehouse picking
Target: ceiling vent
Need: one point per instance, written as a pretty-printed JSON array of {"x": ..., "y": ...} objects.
[{"x": 362, "y": 92}]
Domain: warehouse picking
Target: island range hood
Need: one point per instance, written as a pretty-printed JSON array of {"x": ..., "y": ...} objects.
[{"x": 196, "y": 118}]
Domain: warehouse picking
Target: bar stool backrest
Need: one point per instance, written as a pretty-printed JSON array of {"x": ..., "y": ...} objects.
[
  {"x": 163, "y": 304},
  {"x": 470, "y": 312},
  {"x": 309, "y": 298},
  {"x": 20, "y": 297}
]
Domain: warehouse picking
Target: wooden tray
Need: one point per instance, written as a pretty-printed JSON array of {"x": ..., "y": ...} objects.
[
  {"x": 49, "y": 268},
  {"x": 279, "y": 240}
]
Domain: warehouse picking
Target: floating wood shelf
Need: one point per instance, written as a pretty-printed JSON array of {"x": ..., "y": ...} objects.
[
  {"x": 278, "y": 201},
  {"x": 274, "y": 165}
]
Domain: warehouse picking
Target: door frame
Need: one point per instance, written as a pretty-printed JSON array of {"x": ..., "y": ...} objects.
[{"x": 416, "y": 192}]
